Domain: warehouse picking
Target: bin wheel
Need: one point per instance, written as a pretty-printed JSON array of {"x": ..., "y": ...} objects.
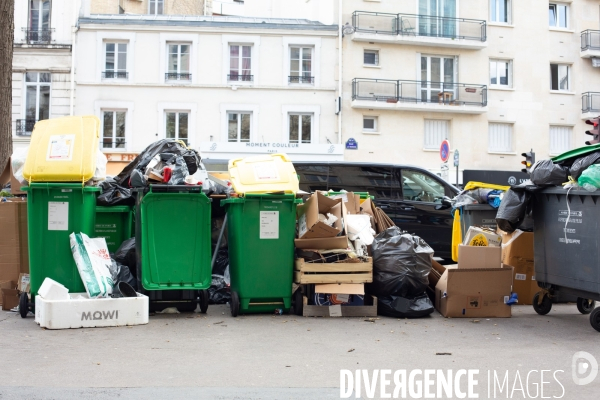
[
  {"x": 595, "y": 319},
  {"x": 23, "y": 305},
  {"x": 543, "y": 308},
  {"x": 203, "y": 301},
  {"x": 234, "y": 304},
  {"x": 298, "y": 302},
  {"x": 585, "y": 306}
]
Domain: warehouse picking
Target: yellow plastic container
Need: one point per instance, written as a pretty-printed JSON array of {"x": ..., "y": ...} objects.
[
  {"x": 263, "y": 174},
  {"x": 63, "y": 150}
]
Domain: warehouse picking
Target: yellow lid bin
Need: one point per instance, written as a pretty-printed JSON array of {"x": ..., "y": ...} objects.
[
  {"x": 63, "y": 150},
  {"x": 263, "y": 174}
]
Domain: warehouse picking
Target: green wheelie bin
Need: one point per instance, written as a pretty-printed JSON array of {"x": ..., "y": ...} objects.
[
  {"x": 173, "y": 248},
  {"x": 261, "y": 230},
  {"x": 115, "y": 224},
  {"x": 54, "y": 211}
]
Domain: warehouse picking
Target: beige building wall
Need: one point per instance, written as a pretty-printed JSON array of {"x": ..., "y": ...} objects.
[{"x": 171, "y": 7}]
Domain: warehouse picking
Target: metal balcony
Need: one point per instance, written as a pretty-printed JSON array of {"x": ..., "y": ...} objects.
[
  {"x": 590, "y": 105},
  {"x": 446, "y": 97},
  {"x": 38, "y": 36},
  {"x": 24, "y": 127},
  {"x": 420, "y": 30},
  {"x": 240, "y": 78},
  {"x": 590, "y": 44},
  {"x": 301, "y": 79},
  {"x": 174, "y": 76},
  {"x": 115, "y": 75}
]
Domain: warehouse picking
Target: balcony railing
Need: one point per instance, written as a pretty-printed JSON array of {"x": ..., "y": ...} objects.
[
  {"x": 25, "y": 127},
  {"x": 38, "y": 36},
  {"x": 590, "y": 40},
  {"x": 240, "y": 78},
  {"x": 419, "y": 25},
  {"x": 174, "y": 76},
  {"x": 301, "y": 79},
  {"x": 115, "y": 75},
  {"x": 590, "y": 102},
  {"x": 394, "y": 91}
]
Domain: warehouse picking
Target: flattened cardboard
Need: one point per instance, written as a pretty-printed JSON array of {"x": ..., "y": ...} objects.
[
  {"x": 5, "y": 285},
  {"x": 517, "y": 251},
  {"x": 338, "y": 242},
  {"x": 343, "y": 288},
  {"x": 309, "y": 226},
  {"x": 474, "y": 293},
  {"x": 367, "y": 207},
  {"x": 14, "y": 256},
  {"x": 10, "y": 297},
  {"x": 470, "y": 257}
]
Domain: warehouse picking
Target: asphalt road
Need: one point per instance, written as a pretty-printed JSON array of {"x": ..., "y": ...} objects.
[{"x": 215, "y": 356}]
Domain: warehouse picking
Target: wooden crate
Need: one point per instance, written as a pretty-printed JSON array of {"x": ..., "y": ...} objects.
[
  {"x": 308, "y": 273},
  {"x": 368, "y": 310}
]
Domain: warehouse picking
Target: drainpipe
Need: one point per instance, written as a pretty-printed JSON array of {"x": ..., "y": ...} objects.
[
  {"x": 73, "y": 31},
  {"x": 205, "y": 1},
  {"x": 340, "y": 80}
]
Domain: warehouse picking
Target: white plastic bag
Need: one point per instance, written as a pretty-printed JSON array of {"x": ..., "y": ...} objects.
[
  {"x": 17, "y": 162},
  {"x": 93, "y": 261},
  {"x": 101, "y": 161}
]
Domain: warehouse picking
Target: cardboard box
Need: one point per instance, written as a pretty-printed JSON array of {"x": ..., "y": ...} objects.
[
  {"x": 14, "y": 256},
  {"x": 5, "y": 285},
  {"x": 351, "y": 201},
  {"x": 24, "y": 283},
  {"x": 8, "y": 175},
  {"x": 82, "y": 312},
  {"x": 10, "y": 296},
  {"x": 309, "y": 226},
  {"x": 517, "y": 251},
  {"x": 470, "y": 257},
  {"x": 482, "y": 237},
  {"x": 474, "y": 293}
]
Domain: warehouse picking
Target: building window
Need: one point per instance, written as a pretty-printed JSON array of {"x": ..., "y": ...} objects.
[
  {"x": 39, "y": 21},
  {"x": 371, "y": 57},
  {"x": 500, "y": 11},
  {"x": 156, "y": 7},
  {"x": 113, "y": 129},
  {"x": 500, "y": 138},
  {"x": 238, "y": 126},
  {"x": 178, "y": 63},
  {"x": 115, "y": 61},
  {"x": 301, "y": 65},
  {"x": 559, "y": 77},
  {"x": 177, "y": 125},
  {"x": 37, "y": 96},
  {"x": 240, "y": 63},
  {"x": 300, "y": 130},
  {"x": 558, "y": 15},
  {"x": 560, "y": 139},
  {"x": 436, "y": 131},
  {"x": 370, "y": 124},
  {"x": 501, "y": 73}
]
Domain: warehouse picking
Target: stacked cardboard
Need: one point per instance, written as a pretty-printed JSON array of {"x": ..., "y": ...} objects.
[
  {"x": 14, "y": 256},
  {"x": 517, "y": 251}
]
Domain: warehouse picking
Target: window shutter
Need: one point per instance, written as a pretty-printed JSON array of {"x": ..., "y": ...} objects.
[
  {"x": 500, "y": 137},
  {"x": 560, "y": 139},
  {"x": 435, "y": 132}
]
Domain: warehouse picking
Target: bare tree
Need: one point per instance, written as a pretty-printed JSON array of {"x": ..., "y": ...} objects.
[{"x": 7, "y": 13}]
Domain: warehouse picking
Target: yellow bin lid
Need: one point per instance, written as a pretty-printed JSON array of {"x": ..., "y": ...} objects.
[
  {"x": 63, "y": 150},
  {"x": 263, "y": 174}
]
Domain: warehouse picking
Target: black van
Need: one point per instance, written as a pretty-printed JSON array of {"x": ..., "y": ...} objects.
[{"x": 412, "y": 197}]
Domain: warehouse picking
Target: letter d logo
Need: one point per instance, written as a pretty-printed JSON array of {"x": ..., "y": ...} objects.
[{"x": 583, "y": 364}]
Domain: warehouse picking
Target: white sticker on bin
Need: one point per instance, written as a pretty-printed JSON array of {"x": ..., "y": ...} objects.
[
  {"x": 269, "y": 225},
  {"x": 266, "y": 172},
  {"x": 335, "y": 311},
  {"x": 520, "y": 277},
  {"x": 60, "y": 148},
  {"x": 58, "y": 216}
]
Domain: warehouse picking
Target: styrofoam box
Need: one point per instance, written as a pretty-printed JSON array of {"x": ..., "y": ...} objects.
[{"x": 82, "y": 312}]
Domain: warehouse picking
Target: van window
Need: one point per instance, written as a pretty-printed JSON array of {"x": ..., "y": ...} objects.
[
  {"x": 417, "y": 186},
  {"x": 314, "y": 177},
  {"x": 357, "y": 178}
]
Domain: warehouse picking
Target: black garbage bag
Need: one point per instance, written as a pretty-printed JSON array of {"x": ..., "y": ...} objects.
[
  {"x": 218, "y": 292},
  {"x": 513, "y": 209},
  {"x": 178, "y": 167},
  {"x": 122, "y": 273},
  {"x": 126, "y": 255},
  {"x": 546, "y": 173},
  {"x": 401, "y": 264},
  {"x": 583, "y": 163},
  {"x": 190, "y": 156},
  {"x": 114, "y": 195},
  {"x": 402, "y": 307},
  {"x": 221, "y": 262}
]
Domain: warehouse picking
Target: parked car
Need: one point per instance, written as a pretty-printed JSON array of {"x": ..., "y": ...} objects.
[{"x": 414, "y": 198}]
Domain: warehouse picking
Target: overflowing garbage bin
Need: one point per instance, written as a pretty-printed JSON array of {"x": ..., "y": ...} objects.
[
  {"x": 173, "y": 246},
  {"x": 567, "y": 248},
  {"x": 115, "y": 224},
  {"x": 481, "y": 215},
  {"x": 55, "y": 210}
]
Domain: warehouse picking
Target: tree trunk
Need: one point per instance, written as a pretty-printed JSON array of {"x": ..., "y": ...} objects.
[{"x": 7, "y": 13}]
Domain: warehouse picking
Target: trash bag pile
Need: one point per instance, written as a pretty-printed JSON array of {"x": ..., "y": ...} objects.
[
  {"x": 401, "y": 266},
  {"x": 492, "y": 197}
]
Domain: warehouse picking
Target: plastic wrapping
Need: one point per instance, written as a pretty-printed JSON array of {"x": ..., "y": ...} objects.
[
  {"x": 17, "y": 162},
  {"x": 590, "y": 177},
  {"x": 582, "y": 163},
  {"x": 546, "y": 173},
  {"x": 402, "y": 307},
  {"x": 401, "y": 264},
  {"x": 126, "y": 255},
  {"x": 121, "y": 273},
  {"x": 114, "y": 195},
  {"x": 190, "y": 157},
  {"x": 93, "y": 263},
  {"x": 221, "y": 262},
  {"x": 513, "y": 209},
  {"x": 101, "y": 162},
  {"x": 178, "y": 167},
  {"x": 218, "y": 292}
]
